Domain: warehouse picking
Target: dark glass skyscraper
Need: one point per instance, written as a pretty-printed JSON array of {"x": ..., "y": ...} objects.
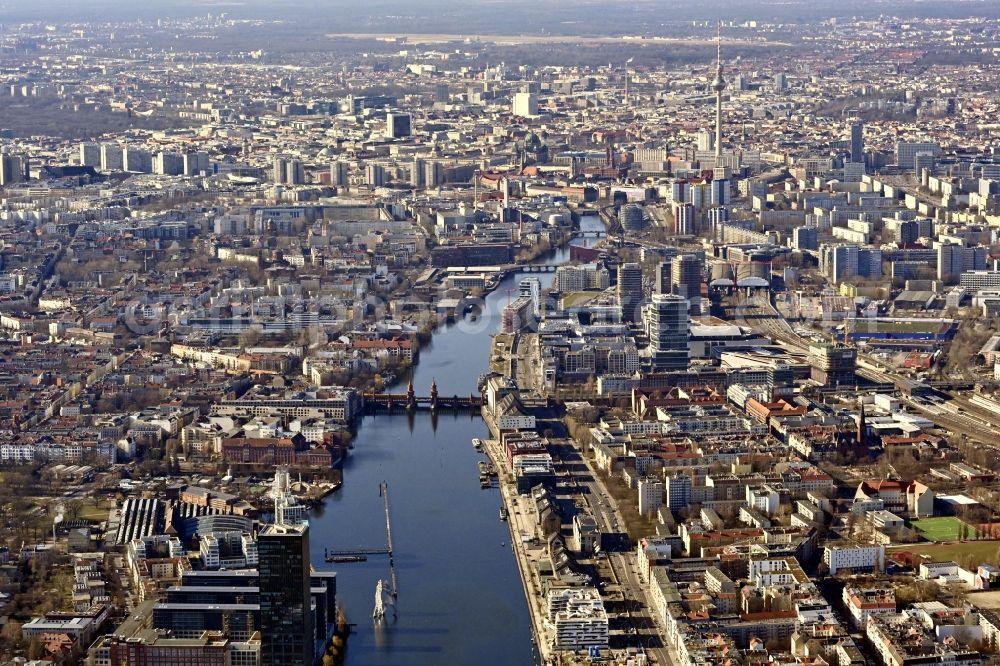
[
  {"x": 630, "y": 291},
  {"x": 668, "y": 325},
  {"x": 285, "y": 614},
  {"x": 857, "y": 142}
]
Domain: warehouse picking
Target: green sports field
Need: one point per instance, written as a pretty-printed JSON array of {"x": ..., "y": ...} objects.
[
  {"x": 970, "y": 553},
  {"x": 941, "y": 529}
]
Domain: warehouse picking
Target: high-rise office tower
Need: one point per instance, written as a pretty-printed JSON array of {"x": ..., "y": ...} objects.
[
  {"x": 90, "y": 154},
  {"x": 907, "y": 151},
  {"x": 433, "y": 174},
  {"x": 288, "y": 171},
  {"x": 137, "y": 160},
  {"x": 716, "y": 216},
  {"x": 278, "y": 169},
  {"x": 339, "y": 174},
  {"x": 705, "y": 141},
  {"x": 286, "y": 629},
  {"x": 398, "y": 125},
  {"x": 418, "y": 172},
  {"x": 195, "y": 163},
  {"x": 650, "y": 495},
  {"x": 854, "y": 172},
  {"x": 168, "y": 164},
  {"x": 677, "y": 491},
  {"x": 661, "y": 281},
  {"x": 686, "y": 278},
  {"x": 857, "y": 142},
  {"x": 922, "y": 161},
  {"x": 13, "y": 169},
  {"x": 295, "y": 173},
  {"x": 629, "y": 291},
  {"x": 525, "y": 105},
  {"x": 805, "y": 238},
  {"x": 907, "y": 232},
  {"x": 720, "y": 192},
  {"x": 684, "y": 219},
  {"x": 832, "y": 364},
  {"x": 680, "y": 191},
  {"x": 531, "y": 288},
  {"x": 667, "y": 324},
  {"x": 374, "y": 175},
  {"x": 842, "y": 261},
  {"x": 949, "y": 261},
  {"x": 112, "y": 157}
]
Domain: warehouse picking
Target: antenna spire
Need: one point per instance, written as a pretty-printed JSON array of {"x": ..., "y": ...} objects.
[
  {"x": 718, "y": 85},
  {"x": 718, "y": 44}
]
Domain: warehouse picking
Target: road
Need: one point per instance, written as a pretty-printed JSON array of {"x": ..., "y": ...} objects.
[
  {"x": 525, "y": 362},
  {"x": 580, "y": 479}
]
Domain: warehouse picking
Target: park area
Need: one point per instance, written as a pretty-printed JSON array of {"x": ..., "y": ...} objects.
[
  {"x": 966, "y": 554},
  {"x": 943, "y": 529}
]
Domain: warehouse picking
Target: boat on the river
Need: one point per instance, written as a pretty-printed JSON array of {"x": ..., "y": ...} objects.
[
  {"x": 477, "y": 444},
  {"x": 503, "y": 513}
]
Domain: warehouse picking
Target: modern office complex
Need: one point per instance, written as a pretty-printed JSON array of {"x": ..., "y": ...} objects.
[
  {"x": 286, "y": 620},
  {"x": 667, "y": 325}
]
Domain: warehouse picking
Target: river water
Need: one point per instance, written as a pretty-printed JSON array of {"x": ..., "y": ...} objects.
[{"x": 460, "y": 596}]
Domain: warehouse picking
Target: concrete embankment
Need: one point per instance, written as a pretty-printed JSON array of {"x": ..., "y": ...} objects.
[{"x": 522, "y": 531}]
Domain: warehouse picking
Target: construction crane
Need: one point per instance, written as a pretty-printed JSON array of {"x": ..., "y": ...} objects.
[{"x": 386, "y": 593}]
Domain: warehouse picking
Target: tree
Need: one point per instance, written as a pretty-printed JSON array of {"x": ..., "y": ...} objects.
[
  {"x": 73, "y": 508},
  {"x": 35, "y": 649},
  {"x": 11, "y": 633},
  {"x": 249, "y": 337},
  {"x": 850, "y": 522}
]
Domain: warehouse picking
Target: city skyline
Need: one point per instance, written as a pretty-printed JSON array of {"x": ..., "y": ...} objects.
[{"x": 675, "y": 332}]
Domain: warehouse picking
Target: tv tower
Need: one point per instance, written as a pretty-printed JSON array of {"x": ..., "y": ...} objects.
[{"x": 718, "y": 85}]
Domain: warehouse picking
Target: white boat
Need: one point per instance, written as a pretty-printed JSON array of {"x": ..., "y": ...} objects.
[{"x": 477, "y": 444}]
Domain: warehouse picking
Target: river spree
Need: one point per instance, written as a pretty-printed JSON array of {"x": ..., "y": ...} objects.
[{"x": 460, "y": 595}]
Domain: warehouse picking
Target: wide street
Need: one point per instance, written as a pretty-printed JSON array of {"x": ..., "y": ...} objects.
[{"x": 577, "y": 479}]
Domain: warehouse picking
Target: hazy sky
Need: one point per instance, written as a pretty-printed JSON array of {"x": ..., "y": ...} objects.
[{"x": 532, "y": 15}]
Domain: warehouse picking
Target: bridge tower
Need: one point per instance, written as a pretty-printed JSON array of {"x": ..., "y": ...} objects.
[
  {"x": 411, "y": 399},
  {"x": 434, "y": 395}
]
